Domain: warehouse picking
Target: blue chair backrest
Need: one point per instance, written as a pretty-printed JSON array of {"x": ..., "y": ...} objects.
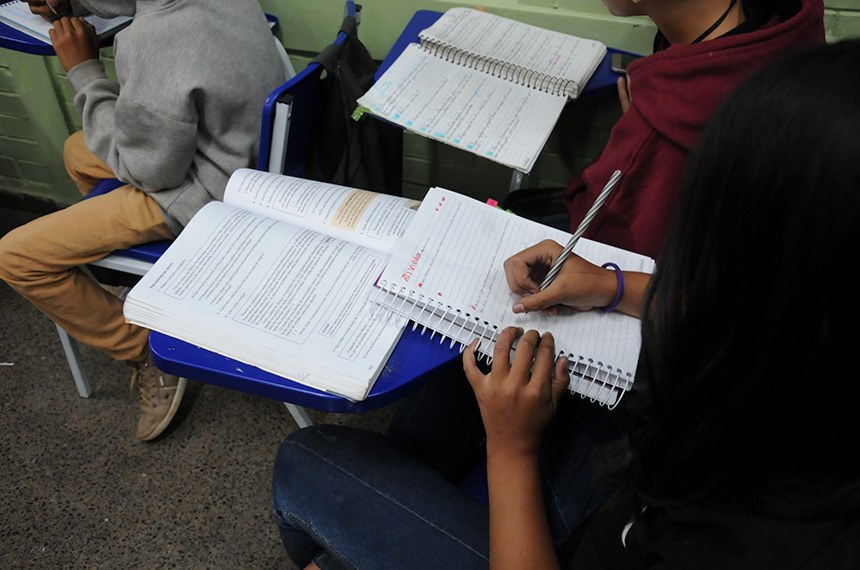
[{"x": 301, "y": 93}]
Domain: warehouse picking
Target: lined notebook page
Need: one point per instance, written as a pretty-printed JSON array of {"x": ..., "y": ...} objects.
[
  {"x": 489, "y": 116},
  {"x": 446, "y": 273},
  {"x": 520, "y": 45}
]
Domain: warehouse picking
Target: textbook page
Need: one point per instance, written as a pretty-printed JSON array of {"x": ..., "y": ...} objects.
[
  {"x": 447, "y": 273},
  {"x": 473, "y": 111},
  {"x": 17, "y": 14},
  {"x": 519, "y": 45},
  {"x": 366, "y": 218},
  {"x": 274, "y": 295}
]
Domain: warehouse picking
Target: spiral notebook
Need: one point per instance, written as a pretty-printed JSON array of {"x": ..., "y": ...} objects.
[
  {"x": 486, "y": 84},
  {"x": 17, "y": 15},
  {"x": 446, "y": 275}
]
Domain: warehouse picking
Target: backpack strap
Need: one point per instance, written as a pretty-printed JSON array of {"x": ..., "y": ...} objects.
[{"x": 329, "y": 56}]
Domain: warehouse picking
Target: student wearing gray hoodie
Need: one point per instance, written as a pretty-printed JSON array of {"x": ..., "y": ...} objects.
[{"x": 183, "y": 114}]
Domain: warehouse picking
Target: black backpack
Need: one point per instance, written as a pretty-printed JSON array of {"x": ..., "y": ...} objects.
[{"x": 367, "y": 153}]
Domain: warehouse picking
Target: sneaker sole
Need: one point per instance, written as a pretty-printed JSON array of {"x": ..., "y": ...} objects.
[{"x": 174, "y": 406}]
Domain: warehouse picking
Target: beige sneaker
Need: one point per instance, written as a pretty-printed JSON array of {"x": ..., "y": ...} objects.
[{"x": 160, "y": 395}]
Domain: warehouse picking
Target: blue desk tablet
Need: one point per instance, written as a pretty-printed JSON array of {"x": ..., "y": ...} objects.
[
  {"x": 10, "y": 38},
  {"x": 416, "y": 360}
]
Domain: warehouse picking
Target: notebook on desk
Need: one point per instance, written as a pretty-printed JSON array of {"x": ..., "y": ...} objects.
[
  {"x": 446, "y": 274},
  {"x": 485, "y": 84},
  {"x": 17, "y": 14}
]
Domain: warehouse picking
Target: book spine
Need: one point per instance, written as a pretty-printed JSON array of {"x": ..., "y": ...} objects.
[
  {"x": 498, "y": 68},
  {"x": 596, "y": 381}
]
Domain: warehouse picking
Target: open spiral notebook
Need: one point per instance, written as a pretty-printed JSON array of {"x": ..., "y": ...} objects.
[
  {"x": 486, "y": 84},
  {"x": 446, "y": 275}
]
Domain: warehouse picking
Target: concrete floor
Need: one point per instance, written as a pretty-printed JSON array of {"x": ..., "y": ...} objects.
[{"x": 77, "y": 490}]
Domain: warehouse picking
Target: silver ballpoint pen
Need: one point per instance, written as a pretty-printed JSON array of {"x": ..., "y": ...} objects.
[{"x": 583, "y": 225}]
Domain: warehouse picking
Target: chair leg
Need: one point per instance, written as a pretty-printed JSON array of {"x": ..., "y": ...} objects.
[
  {"x": 70, "y": 347},
  {"x": 300, "y": 415}
]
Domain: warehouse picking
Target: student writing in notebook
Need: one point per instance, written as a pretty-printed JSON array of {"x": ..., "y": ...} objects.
[
  {"x": 183, "y": 115},
  {"x": 741, "y": 449},
  {"x": 674, "y": 92},
  {"x": 703, "y": 50}
]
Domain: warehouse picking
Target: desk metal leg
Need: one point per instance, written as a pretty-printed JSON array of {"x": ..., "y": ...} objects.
[
  {"x": 73, "y": 356},
  {"x": 300, "y": 415}
]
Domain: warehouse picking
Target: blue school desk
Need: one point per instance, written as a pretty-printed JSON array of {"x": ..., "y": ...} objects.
[
  {"x": 603, "y": 77},
  {"x": 10, "y": 38},
  {"x": 416, "y": 360},
  {"x": 601, "y": 82}
]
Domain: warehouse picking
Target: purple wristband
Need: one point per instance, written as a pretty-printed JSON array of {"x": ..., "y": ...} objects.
[{"x": 619, "y": 292}]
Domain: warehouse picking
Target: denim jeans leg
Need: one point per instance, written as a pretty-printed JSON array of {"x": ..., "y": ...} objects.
[
  {"x": 352, "y": 496},
  {"x": 582, "y": 442},
  {"x": 441, "y": 424}
]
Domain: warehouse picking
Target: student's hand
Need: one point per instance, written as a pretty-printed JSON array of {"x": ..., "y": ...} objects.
[
  {"x": 74, "y": 41},
  {"x": 50, "y": 9},
  {"x": 579, "y": 284},
  {"x": 518, "y": 399},
  {"x": 623, "y": 85}
]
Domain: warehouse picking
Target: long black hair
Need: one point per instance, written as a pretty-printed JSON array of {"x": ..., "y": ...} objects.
[{"x": 748, "y": 387}]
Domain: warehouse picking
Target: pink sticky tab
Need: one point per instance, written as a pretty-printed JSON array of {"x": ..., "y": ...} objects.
[{"x": 492, "y": 202}]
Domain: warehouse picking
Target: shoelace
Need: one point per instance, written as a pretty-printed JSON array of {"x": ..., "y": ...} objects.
[{"x": 146, "y": 392}]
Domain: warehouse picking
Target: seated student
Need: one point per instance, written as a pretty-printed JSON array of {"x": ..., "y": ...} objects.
[
  {"x": 740, "y": 452},
  {"x": 184, "y": 114},
  {"x": 703, "y": 50}
]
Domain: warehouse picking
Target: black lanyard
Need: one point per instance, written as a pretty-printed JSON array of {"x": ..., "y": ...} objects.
[{"x": 714, "y": 26}]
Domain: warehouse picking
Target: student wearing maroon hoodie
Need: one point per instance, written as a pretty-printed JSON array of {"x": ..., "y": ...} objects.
[
  {"x": 741, "y": 451},
  {"x": 704, "y": 49}
]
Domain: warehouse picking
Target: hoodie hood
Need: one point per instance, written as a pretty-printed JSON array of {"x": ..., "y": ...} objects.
[
  {"x": 111, "y": 8},
  {"x": 710, "y": 70},
  {"x": 674, "y": 93}
]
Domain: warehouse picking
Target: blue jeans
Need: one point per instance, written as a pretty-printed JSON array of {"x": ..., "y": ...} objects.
[
  {"x": 441, "y": 424},
  {"x": 348, "y": 498}
]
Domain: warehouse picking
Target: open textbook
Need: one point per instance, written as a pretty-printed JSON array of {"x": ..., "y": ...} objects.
[
  {"x": 446, "y": 274},
  {"x": 279, "y": 276},
  {"x": 17, "y": 14},
  {"x": 486, "y": 84}
]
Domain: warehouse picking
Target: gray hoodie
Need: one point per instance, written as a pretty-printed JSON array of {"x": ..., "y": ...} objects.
[{"x": 185, "y": 113}]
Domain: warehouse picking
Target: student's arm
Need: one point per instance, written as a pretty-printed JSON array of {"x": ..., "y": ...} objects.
[
  {"x": 74, "y": 41},
  {"x": 517, "y": 401},
  {"x": 580, "y": 284}
]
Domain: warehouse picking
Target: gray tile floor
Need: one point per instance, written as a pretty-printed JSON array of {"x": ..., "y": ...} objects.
[{"x": 77, "y": 490}]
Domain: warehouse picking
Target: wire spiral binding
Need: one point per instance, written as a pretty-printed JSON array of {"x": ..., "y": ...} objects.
[
  {"x": 589, "y": 378},
  {"x": 596, "y": 381},
  {"x": 518, "y": 74},
  {"x": 450, "y": 323}
]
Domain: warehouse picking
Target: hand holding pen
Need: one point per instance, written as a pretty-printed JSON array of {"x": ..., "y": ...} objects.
[
  {"x": 579, "y": 284},
  {"x": 583, "y": 225}
]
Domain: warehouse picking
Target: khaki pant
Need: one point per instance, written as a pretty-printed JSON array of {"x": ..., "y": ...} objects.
[{"x": 41, "y": 259}]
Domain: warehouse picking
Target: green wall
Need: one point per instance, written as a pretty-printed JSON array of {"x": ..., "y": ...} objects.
[{"x": 36, "y": 114}]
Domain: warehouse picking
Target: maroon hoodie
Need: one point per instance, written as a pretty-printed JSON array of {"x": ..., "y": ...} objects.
[{"x": 674, "y": 93}]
